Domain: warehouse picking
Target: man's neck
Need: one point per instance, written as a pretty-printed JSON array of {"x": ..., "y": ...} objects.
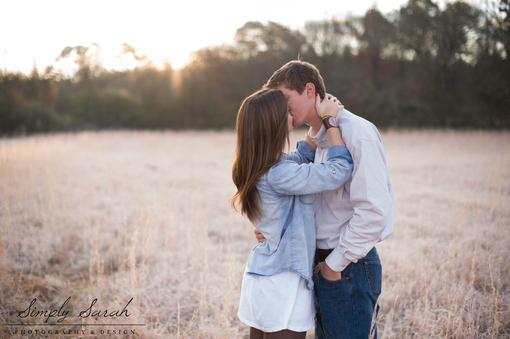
[{"x": 315, "y": 123}]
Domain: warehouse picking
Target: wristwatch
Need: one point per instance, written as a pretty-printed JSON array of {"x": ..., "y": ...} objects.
[{"x": 329, "y": 122}]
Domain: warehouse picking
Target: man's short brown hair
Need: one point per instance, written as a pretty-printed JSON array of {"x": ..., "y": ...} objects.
[{"x": 295, "y": 75}]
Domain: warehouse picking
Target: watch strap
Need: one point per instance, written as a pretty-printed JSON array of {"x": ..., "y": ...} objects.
[{"x": 329, "y": 122}]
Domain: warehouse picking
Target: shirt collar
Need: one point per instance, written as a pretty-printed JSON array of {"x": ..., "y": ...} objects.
[{"x": 321, "y": 137}]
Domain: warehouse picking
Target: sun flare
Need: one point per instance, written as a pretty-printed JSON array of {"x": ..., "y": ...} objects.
[{"x": 166, "y": 32}]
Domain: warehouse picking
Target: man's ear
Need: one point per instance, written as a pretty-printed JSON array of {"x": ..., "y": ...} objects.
[{"x": 310, "y": 90}]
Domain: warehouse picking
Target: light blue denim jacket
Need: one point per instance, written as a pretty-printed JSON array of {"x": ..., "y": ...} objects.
[{"x": 286, "y": 205}]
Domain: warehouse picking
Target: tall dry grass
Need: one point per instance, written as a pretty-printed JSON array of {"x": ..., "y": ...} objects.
[{"x": 145, "y": 215}]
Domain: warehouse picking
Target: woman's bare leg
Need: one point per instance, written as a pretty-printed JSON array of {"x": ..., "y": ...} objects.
[
  {"x": 256, "y": 333},
  {"x": 285, "y": 334}
]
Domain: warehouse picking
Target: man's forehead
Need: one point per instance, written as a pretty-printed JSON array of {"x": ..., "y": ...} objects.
[{"x": 284, "y": 89}]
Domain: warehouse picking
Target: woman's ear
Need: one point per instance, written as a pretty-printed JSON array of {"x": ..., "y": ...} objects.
[{"x": 310, "y": 90}]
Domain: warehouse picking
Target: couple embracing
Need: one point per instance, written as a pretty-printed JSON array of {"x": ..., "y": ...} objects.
[{"x": 318, "y": 212}]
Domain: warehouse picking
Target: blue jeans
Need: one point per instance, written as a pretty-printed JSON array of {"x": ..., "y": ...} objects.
[{"x": 345, "y": 307}]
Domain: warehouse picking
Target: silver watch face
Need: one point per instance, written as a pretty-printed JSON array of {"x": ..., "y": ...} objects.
[{"x": 332, "y": 121}]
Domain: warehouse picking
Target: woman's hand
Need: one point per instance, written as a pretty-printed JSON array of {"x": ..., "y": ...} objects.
[
  {"x": 309, "y": 140},
  {"x": 329, "y": 106}
]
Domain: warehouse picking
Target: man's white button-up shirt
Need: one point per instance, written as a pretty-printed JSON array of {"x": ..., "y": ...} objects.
[{"x": 352, "y": 219}]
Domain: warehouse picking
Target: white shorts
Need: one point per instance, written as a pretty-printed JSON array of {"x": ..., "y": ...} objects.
[{"x": 276, "y": 302}]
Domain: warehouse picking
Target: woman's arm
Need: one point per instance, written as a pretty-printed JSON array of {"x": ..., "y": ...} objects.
[
  {"x": 309, "y": 140},
  {"x": 293, "y": 179},
  {"x": 304, "y": 152},
  {"x": 289, "y": 178}
]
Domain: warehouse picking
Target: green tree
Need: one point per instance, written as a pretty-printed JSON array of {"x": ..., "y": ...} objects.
[
  {"x": 328, "y": 36},
  {"x": 255, "y": 38},
  {"x": 454, "y": 24},
  {"x": 377, "y": 34},
  {"x": 416, "y": 29},
  {"x": 504, "y": 26}
]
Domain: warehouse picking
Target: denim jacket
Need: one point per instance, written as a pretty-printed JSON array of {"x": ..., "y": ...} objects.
[{"x": 286, "y": 206}]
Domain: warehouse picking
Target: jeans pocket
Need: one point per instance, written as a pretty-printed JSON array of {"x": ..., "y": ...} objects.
[
  {"x": 332, "y": 281},
  {"x": 373, "y": 270}
]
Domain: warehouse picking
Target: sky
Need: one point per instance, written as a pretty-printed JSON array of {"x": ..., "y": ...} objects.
[{"x": 39, "y": 30}]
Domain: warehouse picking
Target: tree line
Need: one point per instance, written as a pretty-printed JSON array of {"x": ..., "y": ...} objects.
[{"x": 423, "y": 65}]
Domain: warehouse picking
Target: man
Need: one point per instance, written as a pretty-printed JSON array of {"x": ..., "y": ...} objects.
[{"x": 349, "y": 221}]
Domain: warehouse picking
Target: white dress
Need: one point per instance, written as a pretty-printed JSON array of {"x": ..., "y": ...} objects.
[{"x": 276, "y": 302}]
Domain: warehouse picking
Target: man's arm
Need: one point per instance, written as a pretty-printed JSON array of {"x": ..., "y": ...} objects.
[{"x": 373, "y": 204}]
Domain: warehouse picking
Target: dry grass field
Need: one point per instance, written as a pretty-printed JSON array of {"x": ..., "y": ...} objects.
[{"x": 145, "y": 215}]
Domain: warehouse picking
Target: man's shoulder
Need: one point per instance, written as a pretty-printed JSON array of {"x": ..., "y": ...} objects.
[{"x": 356, "y": 128}]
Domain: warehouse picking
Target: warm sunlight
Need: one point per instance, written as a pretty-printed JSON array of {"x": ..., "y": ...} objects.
[
  {"x": 164, "y": 31},
  {"x": 129, "y": 128}
]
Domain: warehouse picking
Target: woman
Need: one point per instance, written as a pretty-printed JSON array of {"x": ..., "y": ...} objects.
[{"x": 275, "y": 193}]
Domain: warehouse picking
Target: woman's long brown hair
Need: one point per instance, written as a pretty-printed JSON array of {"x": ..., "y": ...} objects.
[{"x": 261, "y": 134}]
